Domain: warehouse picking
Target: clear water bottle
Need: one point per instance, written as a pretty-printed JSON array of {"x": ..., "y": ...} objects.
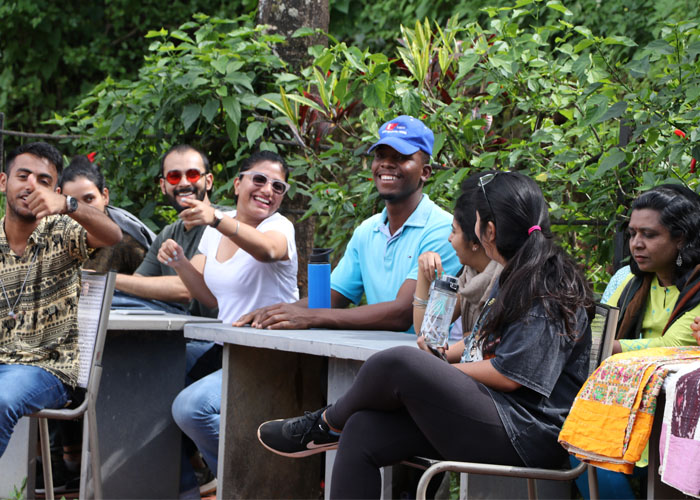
[{"x": 438, "y": 312}]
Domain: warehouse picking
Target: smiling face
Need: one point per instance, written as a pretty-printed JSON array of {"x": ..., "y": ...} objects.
[
  {"x": 182, "y": 162},
  {"x": 465, "y": 250},
  {"x": 652, "y": 246},
  {"x": 398, "y": 176},
  {"x": 16, "y": 184},
  {"x": 256, "y": 203},
  {"x": 84, "y": 190}
]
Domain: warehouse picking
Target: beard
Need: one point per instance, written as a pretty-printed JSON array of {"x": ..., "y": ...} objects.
[
  {"x": 401, "y": 195},
  {"x": 24, "y": 215},
  {"x": 172, "y": 198}
]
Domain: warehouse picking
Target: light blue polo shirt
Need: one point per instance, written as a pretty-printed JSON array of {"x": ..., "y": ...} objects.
[{"x": 377, "y": 263}]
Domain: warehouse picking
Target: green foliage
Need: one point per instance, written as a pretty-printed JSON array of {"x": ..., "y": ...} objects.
[
  {"x": 545, "y": 98},
  {"x": 375, "y": 24},
  {"x": 204, "y": 84},
  {"x": 52, "y": 52}
]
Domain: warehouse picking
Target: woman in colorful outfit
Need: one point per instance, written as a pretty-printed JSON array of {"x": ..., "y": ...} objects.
[
  {"x": 658, "y": 301},
  {"x": 511, "y": 390}
]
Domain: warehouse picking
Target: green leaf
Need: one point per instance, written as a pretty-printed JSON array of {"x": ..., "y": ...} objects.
[
  {"x": 556, "y": 5},
  {"x": 583, "y": 44},
  {"x": 254, "y": 131},
  {"x": 210, "y": 109},
  {"x": 220, "y": 64},
  {"x": 466, "y": 63},
  {"x": 611, "y": 160},
  {"x": 411, "y": 103},
  {"x": 492, "y": 108},
  {"x": 155, "y": 34},
  {"x": 619, "y": 40},
  {"x": 661, "y": 47},
  {"x": 232, "y": 109},
  {"x": 614, "y": 111},
  {"x": 305, "y": 101},
  {"x": 116, "y": 123},
  {"x": 238, "y": 78},
  {"x": 189, "y": 114},
  {"x": 304, "y": 31}
]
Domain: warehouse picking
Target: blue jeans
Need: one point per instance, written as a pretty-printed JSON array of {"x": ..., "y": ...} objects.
[
  {"x": 25, "y": 390},
  {"x": 196, "y": 410}
]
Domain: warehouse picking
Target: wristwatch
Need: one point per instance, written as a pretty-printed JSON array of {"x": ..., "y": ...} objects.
[
  {"x": 218, "y": 217},
  {"x": 71, "y": 204}
]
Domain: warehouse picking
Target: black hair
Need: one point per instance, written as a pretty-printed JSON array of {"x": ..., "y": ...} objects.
[
  {"x": 181, "y": 149},
  {"x": 465, "y": 209},
  {"x": 81, "y": 166},
  {"x": 679, "y": 212},
  {"x": 536, "y": 270},
  {"x": 260, "y": 156},
  {"x": 39, "y": 149}
]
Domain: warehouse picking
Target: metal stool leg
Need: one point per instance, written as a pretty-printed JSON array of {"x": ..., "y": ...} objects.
[{"x": 46, "y": 457}]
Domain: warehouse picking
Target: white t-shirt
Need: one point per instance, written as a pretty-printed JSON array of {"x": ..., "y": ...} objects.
[{"x": 242, "y": 284}]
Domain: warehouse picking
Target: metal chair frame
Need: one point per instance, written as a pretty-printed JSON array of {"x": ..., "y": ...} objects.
[
  {"x": 87, "y": 407},
  {"x": 605, "y": 318}
]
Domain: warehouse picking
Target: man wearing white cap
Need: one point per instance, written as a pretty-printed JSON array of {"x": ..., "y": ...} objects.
[{"x": 381, "y": 259}]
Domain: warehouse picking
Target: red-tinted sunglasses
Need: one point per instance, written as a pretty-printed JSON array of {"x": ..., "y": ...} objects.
[{"x": 175, "y": 176}]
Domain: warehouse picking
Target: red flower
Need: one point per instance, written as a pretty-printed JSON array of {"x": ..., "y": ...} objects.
[
  {"x": 91, "y": 156},
  {"x": 679, "y": 133}
]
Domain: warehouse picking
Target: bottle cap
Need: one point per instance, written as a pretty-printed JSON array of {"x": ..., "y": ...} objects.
[
  {"x": 320, "y": 255},
  {"x": 447, "y": 283}
]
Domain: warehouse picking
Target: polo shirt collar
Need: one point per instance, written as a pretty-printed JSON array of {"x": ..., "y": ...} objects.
[{"x": 419, "y": 217}]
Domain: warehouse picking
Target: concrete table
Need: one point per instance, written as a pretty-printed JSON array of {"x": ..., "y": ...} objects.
[
  {"x": 143, "y": 371},
  {"x": 275, "y": 374}
]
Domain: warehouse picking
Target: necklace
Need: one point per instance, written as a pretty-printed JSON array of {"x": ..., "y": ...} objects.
[{"x": 12, "y": 313}]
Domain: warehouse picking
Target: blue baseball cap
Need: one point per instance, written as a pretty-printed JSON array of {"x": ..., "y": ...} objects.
[{"x": 406, "y": 135}]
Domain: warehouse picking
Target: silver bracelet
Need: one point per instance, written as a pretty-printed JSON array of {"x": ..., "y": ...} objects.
[
  {"x": 418, "y": 302},
  {"x": 238, "y": 224}
]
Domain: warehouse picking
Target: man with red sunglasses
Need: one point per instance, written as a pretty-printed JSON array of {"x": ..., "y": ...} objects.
[{"x": 184, "y": 174}]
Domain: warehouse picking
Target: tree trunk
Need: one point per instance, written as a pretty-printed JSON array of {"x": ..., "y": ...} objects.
[{"x": 285, "y": 17}]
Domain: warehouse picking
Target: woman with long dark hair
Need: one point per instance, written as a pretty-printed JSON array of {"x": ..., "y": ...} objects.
[
  {"x": 477, "y": 278},
  {"x": 507, "y": 397},
  {"x": 658, "y": 300}
]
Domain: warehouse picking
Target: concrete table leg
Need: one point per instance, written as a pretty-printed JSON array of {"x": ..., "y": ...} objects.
[
  {"x": 143, "y": 371},
  {"x": 264, "y": 384}
]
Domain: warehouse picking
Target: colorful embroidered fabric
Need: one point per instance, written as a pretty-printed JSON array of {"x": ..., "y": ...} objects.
[{"x": 610, "y": 421}]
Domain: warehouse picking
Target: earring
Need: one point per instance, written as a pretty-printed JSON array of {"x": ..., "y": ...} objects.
[
  {"x": 679, "y": 260},
  {"x": 475, "y": 248}
]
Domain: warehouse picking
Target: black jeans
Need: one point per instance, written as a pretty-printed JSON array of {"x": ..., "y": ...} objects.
[{"x": 406, "y": 402}]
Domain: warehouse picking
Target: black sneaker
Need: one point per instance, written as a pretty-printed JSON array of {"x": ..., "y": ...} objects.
[
  {"x": 205, "y": 480},
  {"x": 63, "y": 480},
  {"x": 298, "y": 436}
]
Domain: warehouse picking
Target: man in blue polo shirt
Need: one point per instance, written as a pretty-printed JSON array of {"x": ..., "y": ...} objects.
[{"x": 381, "y": 259}]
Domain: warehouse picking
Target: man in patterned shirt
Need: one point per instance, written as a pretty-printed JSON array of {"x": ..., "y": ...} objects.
[{"x": 44, "y": 239}]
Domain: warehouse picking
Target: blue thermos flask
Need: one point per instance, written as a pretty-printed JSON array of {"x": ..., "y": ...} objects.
[{"x": 320, "y": 278}]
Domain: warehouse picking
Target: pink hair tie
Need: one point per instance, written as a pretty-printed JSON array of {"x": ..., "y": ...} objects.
[{"x": 533, "y": 228}]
